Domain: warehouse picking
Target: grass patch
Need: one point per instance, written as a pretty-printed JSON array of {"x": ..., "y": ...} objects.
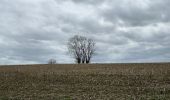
[{"x": 80, "y": 82}]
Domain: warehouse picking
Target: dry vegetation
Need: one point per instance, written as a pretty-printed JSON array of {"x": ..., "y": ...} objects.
[{"x": 85, "y": 82}]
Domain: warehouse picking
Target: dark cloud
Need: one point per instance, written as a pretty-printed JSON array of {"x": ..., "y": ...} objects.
[
  {"x": 139, "y": 13},
  {"x": 91, "y": 2},
  {"x": 33, "y": 31}
]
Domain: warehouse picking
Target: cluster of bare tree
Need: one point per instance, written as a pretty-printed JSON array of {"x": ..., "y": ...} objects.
[
  {"x": 81, "y": 48},
  {"x": 52, "y": 61}
]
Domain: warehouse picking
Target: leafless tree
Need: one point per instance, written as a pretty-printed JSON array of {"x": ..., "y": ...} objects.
[
  {"x": 52, "y": 61},
  {"x": 74, "y": 47},
  {"x": 90, "y": 50},
  {"x": 81, "y": 48}
]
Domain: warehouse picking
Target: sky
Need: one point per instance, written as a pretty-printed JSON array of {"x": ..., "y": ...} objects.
[{"x": 34, "y": 31}]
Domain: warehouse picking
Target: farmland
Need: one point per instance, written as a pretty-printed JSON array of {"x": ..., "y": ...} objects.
[{"x": 85, "y": 82}]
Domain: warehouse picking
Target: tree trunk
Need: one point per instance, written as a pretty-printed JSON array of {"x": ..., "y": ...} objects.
[
  {"x": 78, "y": 60},
  {"x": 87, "y": 61}
]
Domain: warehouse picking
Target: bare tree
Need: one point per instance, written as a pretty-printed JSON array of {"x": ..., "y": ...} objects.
[
  {"x": 90, "y": 50},
  {"x": 52, "y": 61},
  {"x": 81, "y": 48},
  {"x": 74, "y": 46}
]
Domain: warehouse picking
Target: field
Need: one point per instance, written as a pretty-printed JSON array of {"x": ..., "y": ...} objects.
[{"x": 86, "y": 82}]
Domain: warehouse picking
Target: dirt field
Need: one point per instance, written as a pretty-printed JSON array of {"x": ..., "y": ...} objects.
[{"x": 86, "y": 82}]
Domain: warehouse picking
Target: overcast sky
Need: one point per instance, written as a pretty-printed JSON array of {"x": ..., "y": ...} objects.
[{"x": 33, "y": 31}]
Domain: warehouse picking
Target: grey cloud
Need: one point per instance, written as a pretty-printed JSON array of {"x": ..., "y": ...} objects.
[
  {"x": 33, "y": 31},
  {"x": 92, "y": 2},
  {"x": 134, "y": 14}
]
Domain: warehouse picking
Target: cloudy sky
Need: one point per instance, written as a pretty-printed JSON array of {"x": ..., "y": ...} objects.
[{"x": 33, "y": 31}]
